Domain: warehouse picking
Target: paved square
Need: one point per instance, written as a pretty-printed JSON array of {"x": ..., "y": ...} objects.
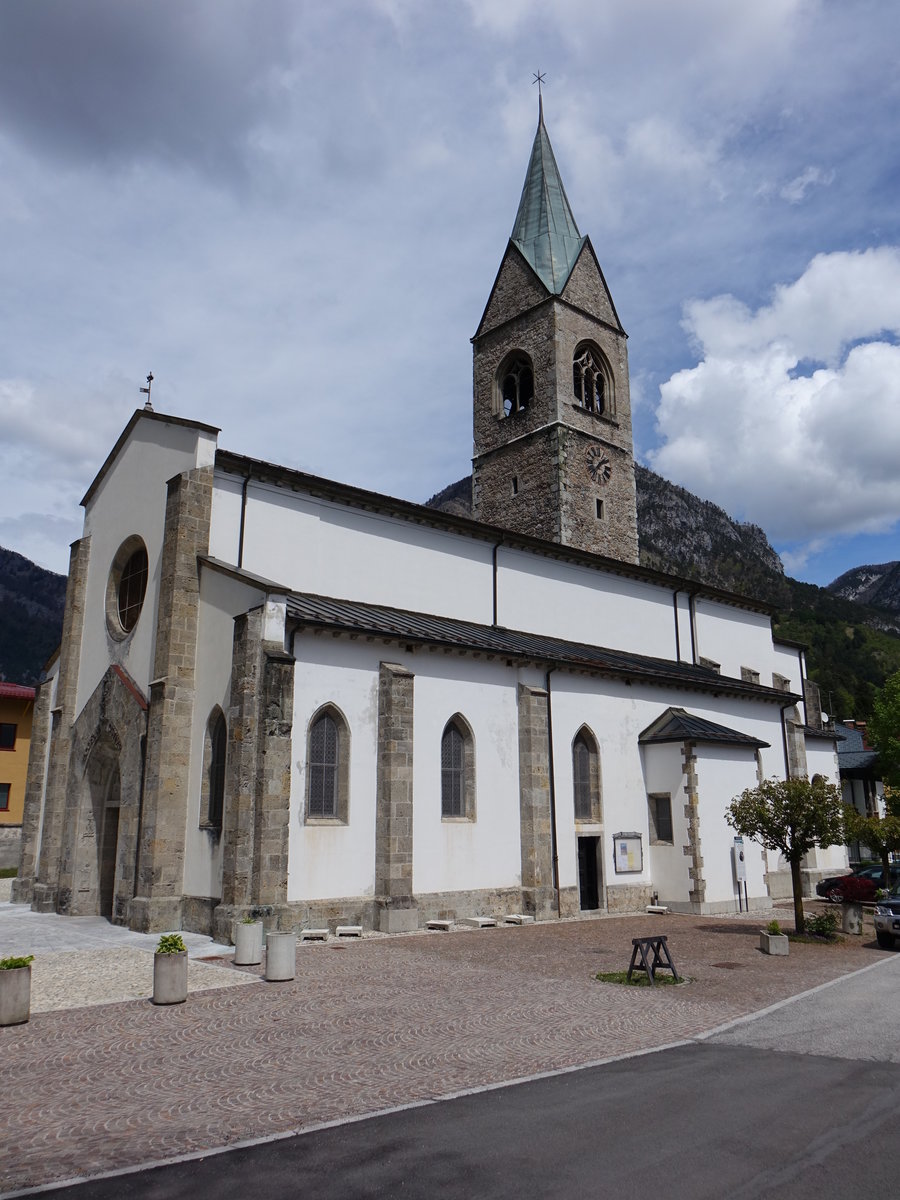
[{"x": 366, "y": 1025}]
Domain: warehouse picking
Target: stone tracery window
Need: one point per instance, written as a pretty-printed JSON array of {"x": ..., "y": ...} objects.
[
  {"x": 516, "y": 382},
  {"x": 214, "y": 752},
  {"x": 457, "y": 770},
  {"x": 586, "y": 776},
  {"x": 591, "y": 381},
  {"x": 328, "y": 770}
]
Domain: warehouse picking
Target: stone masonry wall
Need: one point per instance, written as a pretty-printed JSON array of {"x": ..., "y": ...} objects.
[
  {"x": 256, "y": 820},
  {"x": 538, "y": 897},
  {"x": 157, "y": 904},
  {"x": 516, "y": 288},
  {"x": 693, "y": 849},
  {"x": 46, "y": 884},
  {"x": 394, "y": 903}
]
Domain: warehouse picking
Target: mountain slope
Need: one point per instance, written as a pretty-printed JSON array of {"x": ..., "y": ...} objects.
[
  {"x": 877, "y": 586},
  {"x": 31, "y": 612}
]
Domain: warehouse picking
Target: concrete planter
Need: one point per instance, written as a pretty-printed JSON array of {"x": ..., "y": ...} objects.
[
  {"x": 170, "y": 973},
  {"x": 773, "y": 943},
  {"x": 851, "y": 917},
  {"x": 248, "y": 943},
  {"x": 281, "y": 956},
  {"x": 15, "y": 996}
]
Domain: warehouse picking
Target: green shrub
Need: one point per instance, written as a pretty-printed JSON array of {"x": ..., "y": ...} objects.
[
  {"x": 171, "y": 943},
  {"x": 774, "y": 929},
  {"x": 824, "y": 925},
  {"x": 13, "y": 963}
]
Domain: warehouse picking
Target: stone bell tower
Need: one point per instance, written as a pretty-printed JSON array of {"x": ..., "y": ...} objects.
[{"x": 552, "y": 421}]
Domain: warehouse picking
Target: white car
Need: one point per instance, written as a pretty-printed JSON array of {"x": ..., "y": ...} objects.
[{"x": 887, "y": 920}]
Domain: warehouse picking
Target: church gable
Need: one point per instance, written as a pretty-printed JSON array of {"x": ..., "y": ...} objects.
[
  {"x": 586, "y": 288},
  {"x": 516, "y": 289}
]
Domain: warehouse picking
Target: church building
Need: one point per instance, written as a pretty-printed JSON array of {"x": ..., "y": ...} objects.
[{"x": 284, "y": 695}]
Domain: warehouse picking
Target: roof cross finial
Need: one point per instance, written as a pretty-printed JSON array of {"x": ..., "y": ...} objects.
[{"x": 148, "y": 407}]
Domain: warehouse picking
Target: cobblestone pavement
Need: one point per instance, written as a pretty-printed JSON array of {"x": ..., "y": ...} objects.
[{"x": 367, "y": 1025}]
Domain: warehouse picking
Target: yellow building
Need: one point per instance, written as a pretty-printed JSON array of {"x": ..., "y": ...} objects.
[{"x": 16, "y": 709}]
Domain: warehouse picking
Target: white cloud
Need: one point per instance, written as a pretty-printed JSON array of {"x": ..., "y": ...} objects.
[
  {"x": 795, "y": 191},
  {"x": 804, "y": 453}
]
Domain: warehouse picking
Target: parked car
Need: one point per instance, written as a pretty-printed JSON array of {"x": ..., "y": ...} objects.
[
  {"x": 887, "y": 920},
  {"x": 865, "y": 883}
]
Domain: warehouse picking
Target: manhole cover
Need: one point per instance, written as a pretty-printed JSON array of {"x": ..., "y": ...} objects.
[{"x": 728, "y": 966}]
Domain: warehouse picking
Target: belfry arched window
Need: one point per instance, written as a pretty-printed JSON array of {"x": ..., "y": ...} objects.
[
  {"x": 592, "y": 381},
  {"x": 516, "y": 385}
]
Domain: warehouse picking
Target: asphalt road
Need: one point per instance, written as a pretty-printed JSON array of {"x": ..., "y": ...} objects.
[{"x": 799, "y": 1102}]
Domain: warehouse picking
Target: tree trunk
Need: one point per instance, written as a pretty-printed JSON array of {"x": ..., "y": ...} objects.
[
  {"x": 797, "y": 885},
  {"x": 886, "y": 867}
]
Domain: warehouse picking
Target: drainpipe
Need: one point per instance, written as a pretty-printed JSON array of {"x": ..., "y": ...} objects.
[
  {"x": 677, "y": 633},
  {"x": 244, "y": 486},
  {"x": 554, "y": 849},
  {"x": 692, "y": 597}
]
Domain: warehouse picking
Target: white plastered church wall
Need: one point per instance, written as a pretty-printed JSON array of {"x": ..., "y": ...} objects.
[
  {"x": 734, "y": 638},
  {"x": 345, "y": 552},
  {"x": 664, "y": 775},
  {"x": 327, "y": 861},
  {"x": 724, "y": 772},
  {"x": 464, "y": 855},
  {"x": 583, "y": 604},
  {"x": 129, "y": 500}
]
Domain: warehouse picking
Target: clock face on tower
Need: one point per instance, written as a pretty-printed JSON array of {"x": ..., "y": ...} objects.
[{"x": 598, "y": 465}]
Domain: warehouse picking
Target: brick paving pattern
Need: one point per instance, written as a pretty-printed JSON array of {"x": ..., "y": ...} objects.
[{"x": 367, "y": 1025}]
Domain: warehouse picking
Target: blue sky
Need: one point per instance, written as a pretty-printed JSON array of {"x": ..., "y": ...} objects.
[{"x": 292, "y": 213}]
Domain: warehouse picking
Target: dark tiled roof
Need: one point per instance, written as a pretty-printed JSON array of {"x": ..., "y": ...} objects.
[
  {"x": 851, "y": 751},
  {"x": 322, "y": 612},
  {"x": 677, "y": 725}
]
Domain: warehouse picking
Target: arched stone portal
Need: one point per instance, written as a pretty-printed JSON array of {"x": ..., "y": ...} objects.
[{"x": 103, "y": 803}]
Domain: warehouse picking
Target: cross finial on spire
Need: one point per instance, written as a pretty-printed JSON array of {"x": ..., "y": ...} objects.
[{"x": 539, "y": 79}]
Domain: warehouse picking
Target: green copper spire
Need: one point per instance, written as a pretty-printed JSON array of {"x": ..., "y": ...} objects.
[{"x": 545, "y": 230}]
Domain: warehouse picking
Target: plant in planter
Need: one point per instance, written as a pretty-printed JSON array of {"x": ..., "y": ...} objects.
[
  {"x": 248, "y": 941},
  {"x": 170, "y": 967},
  {"x": 15, "y": 989},
  {"x": 772, "y": 940}
]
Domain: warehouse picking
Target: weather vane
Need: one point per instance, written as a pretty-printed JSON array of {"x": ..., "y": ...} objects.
[
  {"x": 538, "y": 79},
  {"x": 146, "y": 391}
]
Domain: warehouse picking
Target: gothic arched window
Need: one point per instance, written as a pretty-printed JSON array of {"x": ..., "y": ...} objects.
[
  {"x": 212, "y": 796},
  {"x": 458, "y": 770},
  {"x": 591, "y": 380},
  {"x": 328, "y": 770},
  {"x": 516, "y": 382},
  {"x": 586, "y": 776}
]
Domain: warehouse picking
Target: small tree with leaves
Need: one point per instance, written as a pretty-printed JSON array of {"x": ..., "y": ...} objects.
[
  {"x": 791, "y": 816},
  {"x": 880, "y": 834},
  {"x": 884, "y": 730}
]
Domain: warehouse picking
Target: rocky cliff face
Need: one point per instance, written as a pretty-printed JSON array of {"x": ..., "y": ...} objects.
[
  {"x": 682, "y": 535},
  {"x": 876, "y": 585}
]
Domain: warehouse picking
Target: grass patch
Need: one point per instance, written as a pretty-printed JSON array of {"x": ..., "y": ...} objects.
[
  {"x": 639, "y": 978},
  {"x": 8, "y": 872}
]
